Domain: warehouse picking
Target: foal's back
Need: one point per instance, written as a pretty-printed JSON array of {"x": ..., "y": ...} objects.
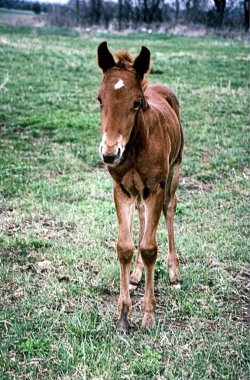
[
  {"x": 165, "y": 93},
  {"x": 163, "y": 121}
]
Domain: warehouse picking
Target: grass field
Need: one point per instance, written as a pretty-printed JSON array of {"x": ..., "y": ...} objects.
[
  {"x": 15, "y": 12},
  {"x": 19, "y": 17},
  {"x": 59, "y": 279}
]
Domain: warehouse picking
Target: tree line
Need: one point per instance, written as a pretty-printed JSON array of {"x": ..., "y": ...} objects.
[
  {"x": 123, "y": 14},
  {"x": 35, "y": 7}
]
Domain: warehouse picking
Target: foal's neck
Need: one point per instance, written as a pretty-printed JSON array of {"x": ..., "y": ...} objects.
[{"x": 141, "y": 130}]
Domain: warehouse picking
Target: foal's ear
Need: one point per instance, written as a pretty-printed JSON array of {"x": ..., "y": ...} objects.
[
  {"x": 105, "y": 58},
  {"x": 141, "y": 63}
]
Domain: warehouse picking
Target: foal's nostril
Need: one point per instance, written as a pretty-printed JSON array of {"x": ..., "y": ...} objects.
[{"x": 109, "y": 159}]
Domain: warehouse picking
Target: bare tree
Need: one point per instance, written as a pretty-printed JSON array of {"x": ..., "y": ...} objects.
[
  {"x": 220, "y": 6},
  {"x": 77, "y": 12},
  {"x": 246, "y": 15},
  {"x": 177, "y": 9},
  {"x": 151, "y": 11},
  {"x": 95, "y": 11},
  {"x": 120, "y": 14},
  {"x": 109, "y": 9},
  {"x": 188, "y": 6}
]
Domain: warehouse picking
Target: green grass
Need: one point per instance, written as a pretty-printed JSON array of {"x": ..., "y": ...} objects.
[
  {"x": 15, "y": 16},
  {"x": 59, "y": 279},
  {"x": 6, "y": 11}
]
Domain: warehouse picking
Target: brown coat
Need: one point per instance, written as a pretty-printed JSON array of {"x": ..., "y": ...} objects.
[{"x": 142, "y": 143}]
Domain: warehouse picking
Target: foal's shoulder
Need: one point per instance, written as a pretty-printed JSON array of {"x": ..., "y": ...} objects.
[{"x": 163, "y": 92}]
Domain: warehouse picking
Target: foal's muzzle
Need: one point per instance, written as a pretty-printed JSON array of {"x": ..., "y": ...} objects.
[{"x": 110, "y": 158}]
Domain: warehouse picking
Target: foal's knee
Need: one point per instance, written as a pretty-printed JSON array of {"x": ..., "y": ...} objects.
[
  {"x": 125, "y": 252},
  {"x": 149, "y": 254}
]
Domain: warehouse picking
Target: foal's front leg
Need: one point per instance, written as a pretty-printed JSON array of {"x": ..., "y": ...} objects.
[
  {"x": 125, "y": 249},
  {"x": 153, "y": 208}
]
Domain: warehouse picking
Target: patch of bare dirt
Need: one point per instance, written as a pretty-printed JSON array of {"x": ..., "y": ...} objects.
[
  {"x": 206, "y": 155},
  {"x": 241, "y": 297},
  {"x": 11, "y": 223},
  {"x": 195, "y": 186}
]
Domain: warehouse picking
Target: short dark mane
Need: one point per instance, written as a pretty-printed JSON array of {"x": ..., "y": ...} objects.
[{"x": 124, "y": 60}]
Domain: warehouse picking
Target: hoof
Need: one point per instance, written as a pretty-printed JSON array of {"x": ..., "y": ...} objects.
[
  {"x": 133, "y": 284},
  {"x": 122, "y": 326},
  {"x": 132, "y": 287},
  {"x": 176, "y": 286},
  {"x": 175, "y": 279},
  {"x": 135, "y": 278},
  {"x": 133, "y": 281},
  {"x": 148, "y": 321}
]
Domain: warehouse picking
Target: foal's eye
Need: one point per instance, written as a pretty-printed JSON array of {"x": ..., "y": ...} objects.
[{"x": 137, "y": 104}]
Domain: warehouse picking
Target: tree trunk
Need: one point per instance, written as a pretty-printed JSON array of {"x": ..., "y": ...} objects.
[
  {"x": 246, "y": 15},
  {"x": 187, "y": 9},
  {"x": 120, "y": 15},
  {"x": 177, "y": 9},
  {"x": 220, "y": 6},
  {"x": 145, "y": 11},
  {"x": 77, "y": 12}
]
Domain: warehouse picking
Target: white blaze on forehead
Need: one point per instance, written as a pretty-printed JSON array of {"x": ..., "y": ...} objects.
[{"x": 119, "y": 84}]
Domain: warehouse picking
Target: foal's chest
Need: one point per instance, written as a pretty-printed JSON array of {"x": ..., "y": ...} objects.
[
  {"x": 133, "y": 183},
  {"x": 140, "y": 180}
]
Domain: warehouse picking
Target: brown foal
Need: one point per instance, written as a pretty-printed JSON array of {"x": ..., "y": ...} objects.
[{"x": 142, "y": 143}]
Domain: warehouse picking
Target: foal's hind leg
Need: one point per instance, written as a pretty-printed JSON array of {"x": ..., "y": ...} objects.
[
  {"x": 169, "y": 211},
  {"x": 136, "y": 276},
  {"x": 153, "y": 208}
]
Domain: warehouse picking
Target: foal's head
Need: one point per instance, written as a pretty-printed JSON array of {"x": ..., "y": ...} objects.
[{"x": 121, "y": 99}]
